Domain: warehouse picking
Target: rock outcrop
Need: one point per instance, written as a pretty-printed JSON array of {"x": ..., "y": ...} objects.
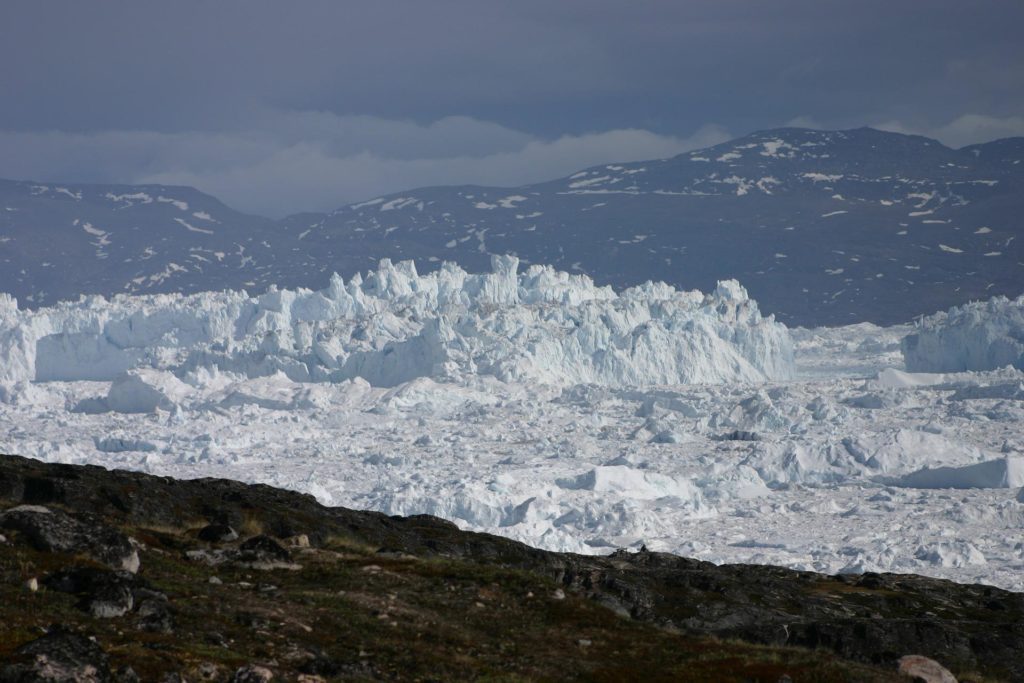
[
  {"x": 56, "y": 531},
  {"x": 875, "y": 619}
]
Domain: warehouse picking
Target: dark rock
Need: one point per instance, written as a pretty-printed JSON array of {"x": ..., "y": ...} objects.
[
  {"x": 154, "y": 612},
  {"x": 252, "y": 620},
  {"x": 217, "y": 533},
  {"x": 263, "y": 549},
  {"x": 105, "y": 593},
  {"x": 53, "y": 530},
  {"x": 252, "y": 674},
  {"x": 217, "y": 638},
  {"x": 318, "y": 663},
  {"x": 114, "y": 601},
  {"x": 126, "y": 674},
  {"x": 259, "y": 552},
  {"x": 61, "y": 656}
]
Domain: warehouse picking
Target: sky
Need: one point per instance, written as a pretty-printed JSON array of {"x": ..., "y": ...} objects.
[{"x": 277, "y": 107}]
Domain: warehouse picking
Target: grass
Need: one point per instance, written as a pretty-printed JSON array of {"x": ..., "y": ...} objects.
[{"x": 378, "y": 616}]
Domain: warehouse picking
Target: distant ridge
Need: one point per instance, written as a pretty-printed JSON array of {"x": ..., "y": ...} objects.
[{"x": 822, "y": 227}]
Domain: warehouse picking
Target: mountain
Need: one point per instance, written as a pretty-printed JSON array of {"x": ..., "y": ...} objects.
[
  {"x": 822, "y": 227},
  {"x": 61, "y": 240}
]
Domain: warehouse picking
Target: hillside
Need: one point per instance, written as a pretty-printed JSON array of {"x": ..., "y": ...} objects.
[{"x": 203, "y": 578}]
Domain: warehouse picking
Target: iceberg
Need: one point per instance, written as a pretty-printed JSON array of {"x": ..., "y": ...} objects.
[
  {"x": 977, "y": 336},
  {"x": 393, "y": 326}
]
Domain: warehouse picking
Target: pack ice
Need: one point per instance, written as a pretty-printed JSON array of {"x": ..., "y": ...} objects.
[{"x": 534, "y": 404}]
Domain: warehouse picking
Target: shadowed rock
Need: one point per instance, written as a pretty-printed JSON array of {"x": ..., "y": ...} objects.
[
  {"x": 217, "y": 533},
  {"x": 60, "y": 656},
  {"x": 106, "y": 593},
  {"x": 263, "y": 549},
  {"x": 53, "y": 530},
  {"x": 252, "y": 674}
]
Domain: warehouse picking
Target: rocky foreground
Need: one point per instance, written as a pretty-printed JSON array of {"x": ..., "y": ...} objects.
[{"x": 121, "y": 576}]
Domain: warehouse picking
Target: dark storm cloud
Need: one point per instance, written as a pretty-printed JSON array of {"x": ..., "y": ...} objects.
[{"x": 220, "y": 92}]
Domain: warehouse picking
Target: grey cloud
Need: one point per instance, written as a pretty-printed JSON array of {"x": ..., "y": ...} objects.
[
  {"x": 451, "y": 136},
  {"x": 535, "y": 65},
  {"x": 963, "y": 130},
  {"x": 359, "y": 97},
  {"x": 306, "y": 176},
  {"x": 295, "y": 161}
]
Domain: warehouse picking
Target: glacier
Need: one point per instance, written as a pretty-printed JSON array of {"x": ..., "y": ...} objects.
[{"x": 537, "y": 405}]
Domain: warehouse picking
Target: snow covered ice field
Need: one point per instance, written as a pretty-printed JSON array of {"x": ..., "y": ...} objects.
[{"x": 538, "y": 406}]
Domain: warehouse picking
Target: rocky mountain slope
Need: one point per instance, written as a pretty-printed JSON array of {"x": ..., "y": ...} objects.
[
  {"x": 217, "y": 580},
  {"x": 821, "y": 227},
  {"x": 60, "y": 241}
]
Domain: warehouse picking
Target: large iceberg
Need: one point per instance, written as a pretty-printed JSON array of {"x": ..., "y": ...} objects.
[
  {"x": 977, "y": 336},
  {"x": 394, "y": 325}
]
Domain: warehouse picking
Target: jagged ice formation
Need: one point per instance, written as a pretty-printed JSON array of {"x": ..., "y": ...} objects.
[
  {"x": 395, "y": 325},
  {"x": 983, "y": 335}
]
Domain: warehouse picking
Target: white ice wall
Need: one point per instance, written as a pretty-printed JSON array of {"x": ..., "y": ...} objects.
[
  {"x": 978, "y": 336},
  {"x": 395, "y": 325}
]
